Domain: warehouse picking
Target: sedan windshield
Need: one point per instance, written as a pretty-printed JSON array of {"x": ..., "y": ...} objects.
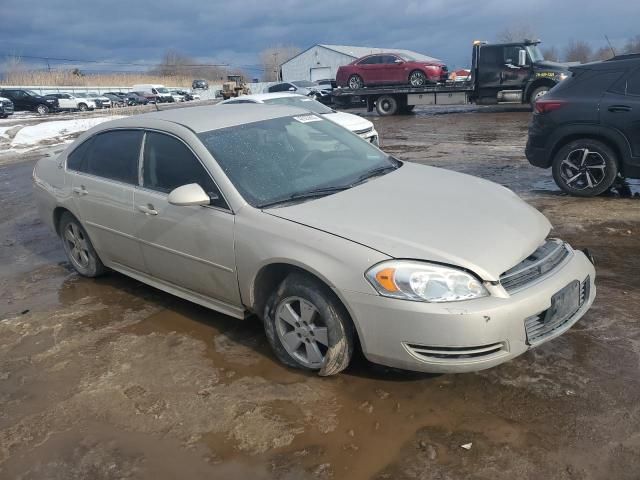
[
  {"x": 288, "y": 158},
  {"x": 300, "y": 101}
]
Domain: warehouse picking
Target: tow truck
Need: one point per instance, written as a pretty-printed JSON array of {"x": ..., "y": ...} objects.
[{"x": 503, "y": 73}]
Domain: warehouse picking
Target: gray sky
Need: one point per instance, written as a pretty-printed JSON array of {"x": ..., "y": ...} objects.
[{"x": 234, "y": 32}]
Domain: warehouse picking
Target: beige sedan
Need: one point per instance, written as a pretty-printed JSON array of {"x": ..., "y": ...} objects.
[{"x": 278, "y": 212}]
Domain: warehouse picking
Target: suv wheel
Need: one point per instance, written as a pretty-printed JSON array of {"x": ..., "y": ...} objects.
[
  {"x": 585, "y": 167},
  {"x": 83, "y": 107},
  {"x": 307, "y": 326},
  {"x": 42, "y": 109}
]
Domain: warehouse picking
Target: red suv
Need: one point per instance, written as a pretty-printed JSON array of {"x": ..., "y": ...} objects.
[{"x": 391, "y": 69}]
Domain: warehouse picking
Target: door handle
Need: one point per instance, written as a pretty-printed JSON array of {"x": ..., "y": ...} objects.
[
  {"x": 80, "y": 190},
  {"x": 147, "y": 209},
  {"x": 619, "y": 108}
]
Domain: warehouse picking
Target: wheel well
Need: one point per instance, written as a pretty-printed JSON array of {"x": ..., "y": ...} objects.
[
  {"x": 57, "y": 215},
  {"x": 543, "y": 82},
  {"x": 576, "y": 136}
]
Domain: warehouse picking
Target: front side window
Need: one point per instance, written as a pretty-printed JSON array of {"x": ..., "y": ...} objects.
[
  {"x": 283, "y": 158},
  {"x": 372, "y": 60},
  {"x": 112, "y": 155},
  {"x": 168, "y": 163}
]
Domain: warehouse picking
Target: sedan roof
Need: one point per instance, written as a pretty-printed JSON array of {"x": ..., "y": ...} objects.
[
  {"x": 261, "y": 97},
  {"x": 211, "y": 117}
]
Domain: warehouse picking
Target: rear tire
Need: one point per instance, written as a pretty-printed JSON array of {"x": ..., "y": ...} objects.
[
  {"x": 355, "y": 82},
  {"x": 585, "y": 167},
  {"x": 387, "y": 105},
  {"x": 78, "y": 247},
  {"x": 307, "y": 326}
]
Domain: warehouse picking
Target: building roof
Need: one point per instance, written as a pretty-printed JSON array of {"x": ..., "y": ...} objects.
[{"x": 357, "y": 52}]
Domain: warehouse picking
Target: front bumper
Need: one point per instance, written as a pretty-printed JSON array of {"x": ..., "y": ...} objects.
[{"x": 462, "y": 336}]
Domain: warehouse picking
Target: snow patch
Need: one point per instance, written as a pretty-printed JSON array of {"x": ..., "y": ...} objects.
[{"x": 55, "y": 132}]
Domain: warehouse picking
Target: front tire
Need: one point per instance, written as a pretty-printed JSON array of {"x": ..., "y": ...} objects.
[
  {"x": 83, "y": 107},
  {"x": 585, "y": 167},
  {"x": 355, "y": 82},
  {"x": 417, "y": 78},
  {"x": 307, "y": 326},
  {"x": 538, "y": 93},
  {"x": 42, "y": 109},
  {"x": 78, "y": 247}
]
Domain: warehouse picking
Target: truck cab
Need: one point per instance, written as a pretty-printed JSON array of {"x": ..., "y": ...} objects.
[{"x": 513, "y": 72}]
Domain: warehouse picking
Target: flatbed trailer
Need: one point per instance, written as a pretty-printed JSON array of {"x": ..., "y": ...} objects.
[
  {"x": 402, "y": 99},
  {"x": 506, "y": 73}
]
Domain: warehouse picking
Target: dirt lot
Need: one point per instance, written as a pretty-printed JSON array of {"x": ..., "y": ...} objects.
[{"x": 111, "y": 379}]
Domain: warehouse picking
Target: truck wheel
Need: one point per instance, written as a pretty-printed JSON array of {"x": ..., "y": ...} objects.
[
  {"x": 417, "y": 79},
  {"x": 387, "y": 105},
  {"x": 42, "y": 109},
  {"x": 537, "y": 93},
  {"x": 585, "y": 167},
  {"x": 307, "y": 326},
  {"x": 83, "y": 107},
  {"x": 355, "y": 82}
]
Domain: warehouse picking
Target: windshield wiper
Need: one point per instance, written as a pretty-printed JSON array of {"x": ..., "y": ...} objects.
[
  {"x": 375, "y": 173},
  {"x": 315, "y": 193}
]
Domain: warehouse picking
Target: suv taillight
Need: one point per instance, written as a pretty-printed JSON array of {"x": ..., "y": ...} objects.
[{"x": 545, "y": 106}]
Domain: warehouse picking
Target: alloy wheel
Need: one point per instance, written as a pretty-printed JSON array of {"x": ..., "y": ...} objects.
[
  {"x": 77, "y": 245},
  {"x": 355, "y": 82},
  {"x": 301, "y": 331},
  {"x": 417, "y": 79},
  {"x": 583, "y": 168}
]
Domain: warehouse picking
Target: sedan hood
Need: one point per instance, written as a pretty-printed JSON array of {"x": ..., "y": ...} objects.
[
  {"x": 433, "y": 214},
  {"x": 349, "y": 121}
]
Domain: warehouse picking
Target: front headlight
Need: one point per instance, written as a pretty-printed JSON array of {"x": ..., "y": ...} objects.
[
  {"x": 563, "y": 76},
  {"x": 424, "y": 282}
]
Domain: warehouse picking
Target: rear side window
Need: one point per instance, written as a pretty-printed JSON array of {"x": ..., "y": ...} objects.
[
  {"x": 169, "y": 163},
  {"x": 490, "y": 56},
  {"x": 587, "y": 82},
  {"x": 113, "y": 155}
]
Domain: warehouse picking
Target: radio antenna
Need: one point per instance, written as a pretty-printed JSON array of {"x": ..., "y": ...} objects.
[{"x": 610, "y": 46}]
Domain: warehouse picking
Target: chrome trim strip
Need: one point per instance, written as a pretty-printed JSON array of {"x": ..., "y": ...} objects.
[{"x": 186, "y": 255}]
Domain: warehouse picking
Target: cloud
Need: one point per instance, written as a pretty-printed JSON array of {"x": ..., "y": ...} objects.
[{"x": 235, "y": 32}]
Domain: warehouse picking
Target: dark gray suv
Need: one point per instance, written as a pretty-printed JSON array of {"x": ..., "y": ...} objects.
[{"x": 587, "y": 128}]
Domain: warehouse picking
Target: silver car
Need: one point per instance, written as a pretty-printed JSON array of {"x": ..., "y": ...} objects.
[{"x": 275, "y": 211}]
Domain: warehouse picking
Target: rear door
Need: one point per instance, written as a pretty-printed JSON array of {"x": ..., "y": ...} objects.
[
  {"x": 620, "y": 108},
  {"x": 189, "y": 247},
  {"x": 104, "y": 175}
]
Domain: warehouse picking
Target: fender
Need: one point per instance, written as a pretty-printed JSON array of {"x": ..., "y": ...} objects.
[{"x": 614, "y": 137}]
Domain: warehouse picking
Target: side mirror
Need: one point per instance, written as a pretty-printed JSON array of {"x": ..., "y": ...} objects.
[
  {"x": 190, "y": 194},
  {"x": 522, "y": 58},
  {"x": 398, "y": 61}
]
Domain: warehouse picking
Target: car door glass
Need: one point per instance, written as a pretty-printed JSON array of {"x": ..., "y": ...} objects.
[
  {"x": 114, "y": 155},
  {"x": 76, "y": 159},
  {"x": 633, "y": 83},
  {"x": 511, "y": 55},
  {"x": 168, "y": 163}
]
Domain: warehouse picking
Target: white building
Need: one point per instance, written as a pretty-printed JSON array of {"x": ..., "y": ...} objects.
[{"x": 322, "y": 61}]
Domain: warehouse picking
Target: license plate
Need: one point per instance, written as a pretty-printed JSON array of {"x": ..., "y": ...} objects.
[{"x": 564, "y": 304}]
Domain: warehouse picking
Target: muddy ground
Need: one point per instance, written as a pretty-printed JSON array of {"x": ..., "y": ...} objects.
[{"x": 111, "y": 379}]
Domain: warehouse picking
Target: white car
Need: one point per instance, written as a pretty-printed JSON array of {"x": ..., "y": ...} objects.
[
  {"x": 358, "y": 125},
  {"x": 177, "y": 97},
  {"x": 101, "y": 100},
  {"x": 69, "y": 101}
]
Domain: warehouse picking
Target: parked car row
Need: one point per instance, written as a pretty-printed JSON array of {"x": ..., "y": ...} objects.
[{"x": 29, "y": 100}]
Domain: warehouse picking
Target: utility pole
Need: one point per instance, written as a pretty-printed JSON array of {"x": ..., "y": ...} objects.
[{"x": 275, "y": 66}]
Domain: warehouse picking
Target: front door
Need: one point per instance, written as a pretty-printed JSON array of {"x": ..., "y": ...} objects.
[
  {"x": 394, "y": 70},
  {"x": 498, "y": 70},
  {"x": 65, "y": 101},
  {"x": 190, "y": 247},
  {"x": 104, "y": 175},
  {"x": 620, "y": 109}
]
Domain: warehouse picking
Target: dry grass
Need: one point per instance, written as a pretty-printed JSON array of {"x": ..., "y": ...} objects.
[{"x": 67, "y": 78}]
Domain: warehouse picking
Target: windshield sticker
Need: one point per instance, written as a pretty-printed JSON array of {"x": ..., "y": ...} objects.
[{"x": 308, "y": 118}]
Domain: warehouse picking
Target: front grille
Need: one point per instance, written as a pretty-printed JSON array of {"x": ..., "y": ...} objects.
[
  {"x": 364, "y": 131},
  {"x": 538, "y": 327},
  {"x": 427, "y": 353},
  {"x": 542, "y": 261}
]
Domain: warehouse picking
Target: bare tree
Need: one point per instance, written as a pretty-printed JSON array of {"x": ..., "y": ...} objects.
[
  {"x": 272, "y": 59},
  {"x": 633, "y": 45},
  {"x": 603, "y": 53},
  {"x": 551, "y": 53},
  {"x": 516, "y": 33},
  {"x": 578, "y": 51}
]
